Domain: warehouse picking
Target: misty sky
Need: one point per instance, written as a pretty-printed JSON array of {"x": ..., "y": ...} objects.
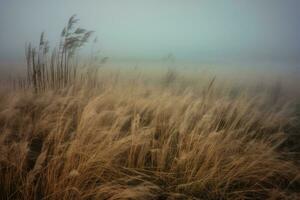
[{"x": 208, "y": 30}]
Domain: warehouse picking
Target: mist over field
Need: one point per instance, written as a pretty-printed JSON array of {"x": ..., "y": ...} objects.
[
  {"x": 149, "y": 100},
  {"x": 232, "y": 32}
]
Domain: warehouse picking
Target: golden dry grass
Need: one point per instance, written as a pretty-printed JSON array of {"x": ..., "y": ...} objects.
[{"x": 131, "y": 139}]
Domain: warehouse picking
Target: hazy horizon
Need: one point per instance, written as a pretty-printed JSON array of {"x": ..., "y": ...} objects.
[{"x": 241, "y": 32}]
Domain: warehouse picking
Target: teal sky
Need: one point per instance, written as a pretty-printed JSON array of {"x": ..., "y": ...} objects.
[{"x": 204, "y": 30}]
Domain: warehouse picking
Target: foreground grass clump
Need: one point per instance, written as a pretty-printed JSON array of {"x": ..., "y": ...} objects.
[{"x": 144, "y": 142}]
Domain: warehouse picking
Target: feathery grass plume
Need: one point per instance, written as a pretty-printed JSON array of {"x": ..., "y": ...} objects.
[
  {"x": 71, "y": 134},
  {"x": 59, "y": 72}
]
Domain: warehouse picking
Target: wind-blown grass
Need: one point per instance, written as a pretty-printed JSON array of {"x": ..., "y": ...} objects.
[
  {"x": 77, "y": 134},
  {"x": 145, "y": 141},
  {"x": 58, "y": 71}
]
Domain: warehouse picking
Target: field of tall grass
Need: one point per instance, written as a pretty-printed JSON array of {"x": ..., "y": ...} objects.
[{"x": 98, "y": 133}]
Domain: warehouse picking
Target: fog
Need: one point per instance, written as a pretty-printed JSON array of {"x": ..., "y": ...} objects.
[{"x": 237, "y": 32}]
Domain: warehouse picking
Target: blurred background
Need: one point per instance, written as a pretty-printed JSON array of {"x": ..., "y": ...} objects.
[{"x": 234, "y": 33}]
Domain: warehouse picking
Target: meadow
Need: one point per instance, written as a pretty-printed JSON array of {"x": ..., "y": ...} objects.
[{"x": 72, "y": 131}]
